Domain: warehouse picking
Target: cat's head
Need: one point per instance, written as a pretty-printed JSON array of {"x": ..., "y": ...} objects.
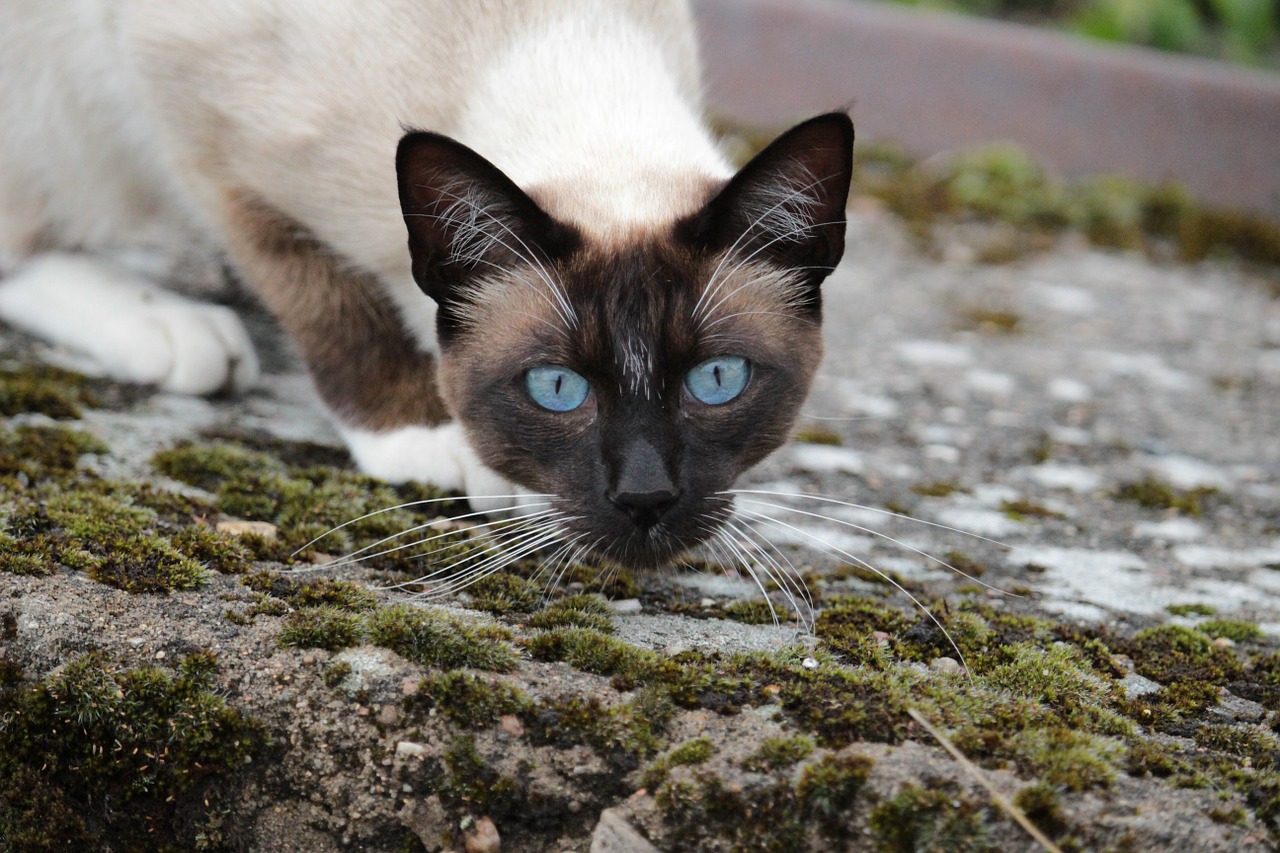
[{"x": 632, "y": 379}]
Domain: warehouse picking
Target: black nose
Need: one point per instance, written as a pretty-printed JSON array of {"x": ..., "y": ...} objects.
[
  {"x": 646, "y": 508},
  {"x": 644, "y": 490}
]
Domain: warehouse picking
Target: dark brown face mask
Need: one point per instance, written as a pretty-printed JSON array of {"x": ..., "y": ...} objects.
[{"x": 633, "y": 382}]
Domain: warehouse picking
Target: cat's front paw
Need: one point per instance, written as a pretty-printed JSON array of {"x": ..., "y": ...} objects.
[
  {"x": 437, "y": 455},
  {"x": 185, "y": 347},
  {"x": 132, "y": 330}
]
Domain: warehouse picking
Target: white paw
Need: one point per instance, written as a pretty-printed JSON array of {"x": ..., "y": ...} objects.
[
  {"x": 437, "y": 455},
  {"x": 133, "y": 330}
]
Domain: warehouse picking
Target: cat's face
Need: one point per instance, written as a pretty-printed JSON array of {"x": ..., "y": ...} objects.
[{"x": 632, "y": 381}]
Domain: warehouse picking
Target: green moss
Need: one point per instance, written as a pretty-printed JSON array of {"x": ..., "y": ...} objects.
[
  {"x": 317, "y": 592},
  {"x": 756, "y": 611},
  {"x": 95, "y": 757},
  {"x": 1042, "y": 804},
  {"x": 818, "y": 435},
  {"x": 575, "y": 611},
  {"x": 502, "y": 593},
  {"x": 1067, "y": 758},
  {"x": 146, "y": 564},
  {"x": 433, "y": 638},
  {"x": 471, "y": 785},
  {"x": 1258, "y": 746},
  {"x": 336, "y": 673},
  {"x": 1233, "y": 629},
  {"x": 35, "y": 556},
  {"x": 469, "y": 701},
  {"x": 44, "y": 390},
  {"x": 1191, "y": 610},
  {"x": 1171, "y": 653},
  {"x": 1024, "y": 510},
  {"x": 612, "y": 583},
  {"x": 211, "y": 549},
  {"x": 940, "y": 489},
  {"x": 37, "y": 454},
  {"x": 829, "y": 788},
  {"x": 918, "y": 819},
  {"x": 1166, "y": 709},
  {"x": 590, "y": 651},
  {"x": 1156, "y": 494},
  {"x": 347, "y": 511},
  {"x": 622, "y": 734},
  {"x": 778, "y": 753},
  {"x": 323, "y": 627},
  {"x": 688, "y": 754}
]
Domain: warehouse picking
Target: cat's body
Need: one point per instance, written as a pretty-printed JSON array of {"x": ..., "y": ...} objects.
[{"x": 151, "y": 139}]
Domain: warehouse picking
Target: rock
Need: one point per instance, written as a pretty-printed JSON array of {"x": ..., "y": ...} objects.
[
  {"x": 265, "y": 529},
  {"x": 483, "y": 837},
  {"x": 409, "y": 749},
  {"x": 613, "y": 834},
  {"x": 427, "y": 820},
  {"x": 946, "y": 665}
]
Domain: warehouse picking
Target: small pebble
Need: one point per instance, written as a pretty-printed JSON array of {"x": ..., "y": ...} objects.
[
  {"x": 483, "y": 837},
  {"x": 881, "y": 638},
  {"x": 265, "y": 529},
  {"x": 809, "y": 663},
  {"x": 947, "y": 665},
  {"x": 626, "y": 605},
  {"x": 1224, "y": 643},
  {"x": 409, "y": 687},
  {"x": 511, "y": 724},
  {"x": 409, "y": 749},
  {"x": 389, "y": 715}
]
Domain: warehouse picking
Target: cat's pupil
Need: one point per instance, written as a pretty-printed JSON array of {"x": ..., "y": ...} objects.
[
  {"x": 717, "y": 375},
  {"x": 559, "y": 382}
]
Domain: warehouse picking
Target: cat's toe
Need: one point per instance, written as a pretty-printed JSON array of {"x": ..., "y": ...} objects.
[{"x": 209, "y": 349}]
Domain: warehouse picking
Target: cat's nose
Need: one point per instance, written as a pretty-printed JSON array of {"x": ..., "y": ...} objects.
[
  {"x": 646, "y": 508},
  {"x": 644, "y": 490}
]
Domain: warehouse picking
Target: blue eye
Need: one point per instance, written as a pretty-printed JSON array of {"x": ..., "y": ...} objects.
[
  {"x": 718, "y": 380},
  {"x": 557, "y": 389}
]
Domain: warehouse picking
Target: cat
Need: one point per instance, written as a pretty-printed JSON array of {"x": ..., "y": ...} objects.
[{"x": 499, "y": 233}]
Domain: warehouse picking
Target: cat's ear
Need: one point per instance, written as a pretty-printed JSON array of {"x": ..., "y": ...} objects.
[
  {"x": 466, "y": 217},
  {"x": 787, "y": 205}
]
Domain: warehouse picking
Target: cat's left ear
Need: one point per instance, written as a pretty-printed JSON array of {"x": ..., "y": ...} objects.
[
  {"x": 465, "y": 216},
  {"x": 787, "y": 205}
]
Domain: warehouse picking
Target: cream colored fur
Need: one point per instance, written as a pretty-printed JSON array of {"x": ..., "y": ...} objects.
[{"x": 128, "y": 124}]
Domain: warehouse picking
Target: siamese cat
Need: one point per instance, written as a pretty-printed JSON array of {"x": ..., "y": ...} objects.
[{"x": 498, "y": 232}]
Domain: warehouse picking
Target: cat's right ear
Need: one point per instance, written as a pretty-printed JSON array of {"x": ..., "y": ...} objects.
[{"x": 465, "y": 217}]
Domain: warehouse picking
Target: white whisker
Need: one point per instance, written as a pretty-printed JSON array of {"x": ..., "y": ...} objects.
[{"x": 887, "y": 578}]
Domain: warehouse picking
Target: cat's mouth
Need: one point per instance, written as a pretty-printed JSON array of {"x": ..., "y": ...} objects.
[{"x": 651, "y": 543}]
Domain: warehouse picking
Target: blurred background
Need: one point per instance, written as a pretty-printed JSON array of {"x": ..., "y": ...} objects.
[{"x": 1146, "y": 124}]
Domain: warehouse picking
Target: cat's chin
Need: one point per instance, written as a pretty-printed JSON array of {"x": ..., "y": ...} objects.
[{"x": 645, "y": 550}]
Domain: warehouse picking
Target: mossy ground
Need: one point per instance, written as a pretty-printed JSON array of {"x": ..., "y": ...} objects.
[{"x": 1041, "y": 699}]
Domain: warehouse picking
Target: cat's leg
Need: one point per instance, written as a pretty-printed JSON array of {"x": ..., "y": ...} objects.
[
  {"x": 434, "y": 454},
  {"x": 375, "y": 377},
  {"x": 132, "y": 329}
]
